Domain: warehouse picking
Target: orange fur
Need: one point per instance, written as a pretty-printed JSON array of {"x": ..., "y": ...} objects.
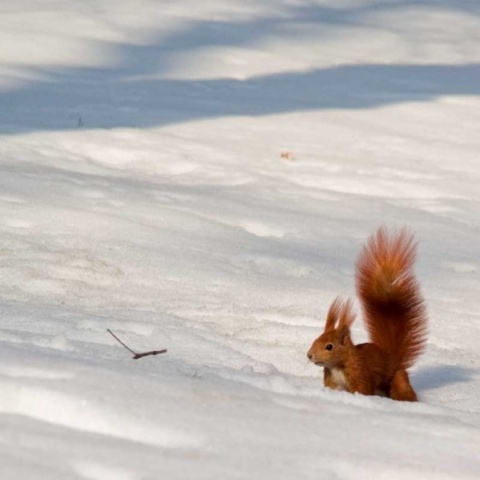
[
  {"x": 393, "y": 307},
  {"x": 395, "y": 317}
]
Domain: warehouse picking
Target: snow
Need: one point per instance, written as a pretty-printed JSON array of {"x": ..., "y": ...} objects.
[{"x": 200, "y": 176}]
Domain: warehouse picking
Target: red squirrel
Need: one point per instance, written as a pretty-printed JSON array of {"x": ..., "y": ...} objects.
[{"x": 395, "y": 317}]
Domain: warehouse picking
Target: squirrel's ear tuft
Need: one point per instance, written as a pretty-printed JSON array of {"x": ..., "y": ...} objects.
[
  {"x": 340, "y": 314},
  {"x": 333, "y": 314},
  {"x": 347, "y": 314}
]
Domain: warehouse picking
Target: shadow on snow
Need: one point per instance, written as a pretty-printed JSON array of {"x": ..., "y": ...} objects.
[
  {"x": 124, "y": 96},
  {"x": 439, "y": 375}
]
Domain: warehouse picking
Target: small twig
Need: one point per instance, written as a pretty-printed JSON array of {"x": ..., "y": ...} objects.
[
  {"x": 136, "y": 355},
  {"x": 153, "y": 352},
  {"x": 120, "y": 342}
]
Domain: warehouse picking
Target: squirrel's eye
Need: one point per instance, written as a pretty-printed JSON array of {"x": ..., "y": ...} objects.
[{"x": 328, "y": 346}]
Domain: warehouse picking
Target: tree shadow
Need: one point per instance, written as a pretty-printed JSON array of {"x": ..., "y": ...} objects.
[
  {"x": 431, "y": 378},
  {"x": 220, "y": 33},
  {"x": 63, "y": 102},
  {"x": 125, "y": 96}
]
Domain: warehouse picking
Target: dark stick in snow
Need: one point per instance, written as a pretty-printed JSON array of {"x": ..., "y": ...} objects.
[{"x": 136, "y": 355}]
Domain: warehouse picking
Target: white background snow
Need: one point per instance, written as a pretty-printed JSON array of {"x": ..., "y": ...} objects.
[{"x": 200, "y": 176}]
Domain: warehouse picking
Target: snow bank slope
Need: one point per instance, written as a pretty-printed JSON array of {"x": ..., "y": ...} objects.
[{"x": 201, "y": 178}]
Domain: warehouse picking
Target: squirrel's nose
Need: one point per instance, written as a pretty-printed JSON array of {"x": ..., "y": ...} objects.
[{"x": 309, "y": 355}]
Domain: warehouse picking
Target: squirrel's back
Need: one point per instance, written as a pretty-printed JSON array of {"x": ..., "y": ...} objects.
[{"x": 393, "y": 306}]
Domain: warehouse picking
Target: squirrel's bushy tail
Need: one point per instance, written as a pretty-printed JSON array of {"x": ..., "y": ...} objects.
[{"x": 392, "y": 303}]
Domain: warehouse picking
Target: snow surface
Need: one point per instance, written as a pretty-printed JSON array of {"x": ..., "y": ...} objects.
[{"x": 199, "y": 176}]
